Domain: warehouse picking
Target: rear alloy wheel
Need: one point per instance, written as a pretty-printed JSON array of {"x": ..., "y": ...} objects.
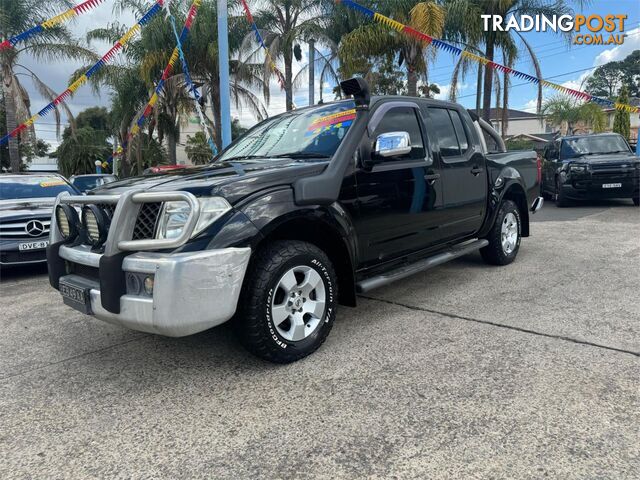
[
  {"x": 504, "y": 236},
  {"x": 288, "y": 303}
]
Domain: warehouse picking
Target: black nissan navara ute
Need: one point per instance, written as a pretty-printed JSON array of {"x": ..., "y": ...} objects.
[{"x": 302, "y": 213}]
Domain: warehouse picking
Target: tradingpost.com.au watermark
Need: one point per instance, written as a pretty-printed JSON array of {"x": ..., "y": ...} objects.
[{"x": 590, "y": 29}]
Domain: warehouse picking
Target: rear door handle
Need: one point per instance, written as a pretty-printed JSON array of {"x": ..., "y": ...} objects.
[
  {"x": 431, "y": 178},
  {"x": 477, "y": 171}
]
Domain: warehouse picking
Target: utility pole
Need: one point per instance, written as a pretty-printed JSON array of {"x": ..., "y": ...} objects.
[
  {"x": 312, "y": 70},
  {"x": 223, "y": 62}
]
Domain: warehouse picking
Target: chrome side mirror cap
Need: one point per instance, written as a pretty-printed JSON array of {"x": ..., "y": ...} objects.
[{"x": 392, "y": 144}]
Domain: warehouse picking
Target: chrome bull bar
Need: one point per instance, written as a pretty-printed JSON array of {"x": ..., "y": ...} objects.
[{"x": 119, "y": 238}]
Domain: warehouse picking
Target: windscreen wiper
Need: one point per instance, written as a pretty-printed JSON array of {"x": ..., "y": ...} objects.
[
  {"x": 301, "y": 155},
  {"x": 242, "y": 157}
]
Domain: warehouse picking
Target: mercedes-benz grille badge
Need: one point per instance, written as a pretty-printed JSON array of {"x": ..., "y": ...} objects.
[{"x": 34, "y": 228}]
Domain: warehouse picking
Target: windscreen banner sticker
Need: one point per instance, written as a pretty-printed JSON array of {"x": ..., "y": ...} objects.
[
  {"x": 51, "y": 183},
  {"x": 335, "y": 120}
]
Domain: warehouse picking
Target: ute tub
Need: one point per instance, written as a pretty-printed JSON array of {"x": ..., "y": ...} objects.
[{"x": 192, "y": 291}]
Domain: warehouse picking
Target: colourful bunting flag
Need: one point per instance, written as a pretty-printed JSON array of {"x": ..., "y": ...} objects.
[
  {"x": 485, "y": 61},
  {"x": 83, "y": 79},
  {"x": 52, "y": 22}
]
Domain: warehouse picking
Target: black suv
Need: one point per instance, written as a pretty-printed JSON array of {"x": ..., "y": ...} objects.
[{"x": 584, "y": 167}]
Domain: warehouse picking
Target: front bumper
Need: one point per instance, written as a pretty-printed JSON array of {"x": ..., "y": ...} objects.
[
  {"x": 192, "y": 291},
  {"x": 10, "y": 253},
  {"x": 588, "y": 186}
]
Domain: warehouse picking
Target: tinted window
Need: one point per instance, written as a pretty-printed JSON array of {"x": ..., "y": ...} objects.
[
  {"x": 32, "y": 187},
  {"x": 444, "y": 131},
  {"x": 403, "y": 119},
  {"x": 463, "y": 141},
  {"x": 593, "y": 145}
]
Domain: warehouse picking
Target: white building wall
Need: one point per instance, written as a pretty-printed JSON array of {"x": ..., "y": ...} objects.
[{"x": 518, "y": 126}]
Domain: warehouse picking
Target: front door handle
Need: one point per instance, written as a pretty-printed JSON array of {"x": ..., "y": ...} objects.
[
  {"x": 431, "y": 178},
  {"x": 475, "y": 171}
]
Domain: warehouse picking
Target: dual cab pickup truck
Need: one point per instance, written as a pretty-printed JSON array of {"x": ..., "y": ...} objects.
[
  {"x": 590, "y": 167},
  {"x": 303, "y": 212}
]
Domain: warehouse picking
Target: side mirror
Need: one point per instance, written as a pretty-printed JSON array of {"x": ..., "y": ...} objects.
[
  {"x": 551, "y": 154},
  {"x": 392, "y": 144}
]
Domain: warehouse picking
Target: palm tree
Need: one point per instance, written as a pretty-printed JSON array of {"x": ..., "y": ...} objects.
[
  {"x": 376, "y": 40},
  {"x": 148, "y": 56},
  {"x": 201, "y": 50},
  {"x": 284, "y": 24},
  {"x": 50, "y": 44},
  {"x": 565, "y": 112},
  {"x": 465, "y": 23}
]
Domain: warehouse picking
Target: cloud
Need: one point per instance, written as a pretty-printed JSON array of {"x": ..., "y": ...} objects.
[
  {"x": 531, "y": 106},
  {"x": 445, "y": 90},
  {"x": 578, "y": 83},
  {"x": 620, "y": 52}
]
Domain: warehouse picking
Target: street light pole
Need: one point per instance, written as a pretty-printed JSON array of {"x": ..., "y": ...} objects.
[
  {"x": 312, "y": 71},
  {"x": 223, "y": 62}
]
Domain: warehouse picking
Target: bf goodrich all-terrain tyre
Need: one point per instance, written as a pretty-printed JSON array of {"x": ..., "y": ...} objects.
[
  {"x": 288, "y": 303},
  {"x": 636, "y": 201},
  {"x": 504, "y": 236}
]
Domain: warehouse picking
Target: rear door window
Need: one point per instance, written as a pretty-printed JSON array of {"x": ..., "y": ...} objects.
[
  {"x": 463, "y": 141},
  {"x": 445, "y": 132}
]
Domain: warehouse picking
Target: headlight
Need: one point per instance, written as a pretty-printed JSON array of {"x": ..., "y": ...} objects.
[
  {"x": 67, "y": 220},
  {"x": 577, "y": 168},
  {"x": 174, "y": 216}
]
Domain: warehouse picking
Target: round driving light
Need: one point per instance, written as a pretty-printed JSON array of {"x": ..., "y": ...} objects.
[
  {"x": 133, "y": 284},
  {"x": 94, "y": 222},
  {"x": 67, "y": 221},
  {"x": 148, "y": 285}
]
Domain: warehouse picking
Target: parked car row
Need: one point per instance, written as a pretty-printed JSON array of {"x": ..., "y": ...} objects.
[{"x": 26, "y": 204}]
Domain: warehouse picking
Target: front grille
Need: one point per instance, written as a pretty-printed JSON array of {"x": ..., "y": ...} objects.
[
  {"x": 145, "y": 227},
  {"x": 610, "y": 166},
  {"x": 108, "y": 208},
  {"x": 20, "y": 257},
  {"x": 85, "y": 271},
  {"x": 25, "y": 228}
]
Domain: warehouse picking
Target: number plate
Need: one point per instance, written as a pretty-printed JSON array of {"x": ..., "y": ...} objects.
[
  {"x": 33, "y": 245},
  {"x": 76, "y": 296},
  {"x": 611, "y": 185}
]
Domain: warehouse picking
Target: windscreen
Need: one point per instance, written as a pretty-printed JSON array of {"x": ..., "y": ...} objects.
[
  {"x": 88, "y": 183},
  {"x": 32, "y": 187},
  {"x": 593, "y": 145},
  {"x": 312, "y": 133}
]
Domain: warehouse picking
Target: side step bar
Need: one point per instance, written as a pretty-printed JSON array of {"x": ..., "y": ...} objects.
[{"x": 421, "y": 265}]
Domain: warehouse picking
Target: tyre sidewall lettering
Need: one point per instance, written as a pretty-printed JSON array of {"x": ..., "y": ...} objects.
[{"x": 320, "y": 268}]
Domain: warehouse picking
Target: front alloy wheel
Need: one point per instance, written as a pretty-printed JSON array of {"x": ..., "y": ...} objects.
[
  {"x": 288, "y": 302},
  {"x": 298, "y": 306}
]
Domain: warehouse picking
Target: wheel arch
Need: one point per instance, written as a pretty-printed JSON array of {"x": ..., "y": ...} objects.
[
  {"x": 516, "y": 193},
  {"x": 323, "y": 235}
]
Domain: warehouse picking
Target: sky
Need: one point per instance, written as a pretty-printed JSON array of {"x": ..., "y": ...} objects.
[{"x": 561, "y": 63}]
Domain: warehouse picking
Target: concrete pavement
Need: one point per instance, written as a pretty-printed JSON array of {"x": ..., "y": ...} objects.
[{"x": 465, "y": 371}]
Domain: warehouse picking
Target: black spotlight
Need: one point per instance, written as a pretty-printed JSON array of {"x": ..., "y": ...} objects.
[
  {"x": 96, "y": 224},
  {"x": 67, "y": 220}
]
